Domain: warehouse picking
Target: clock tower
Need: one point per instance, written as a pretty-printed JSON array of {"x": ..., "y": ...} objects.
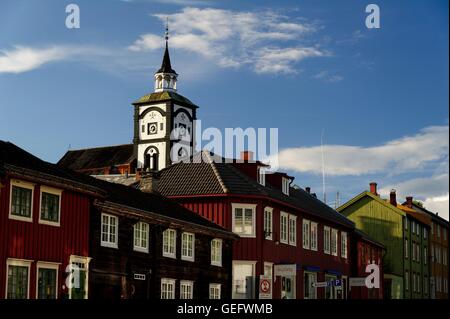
[{"x": 163, "y": 121}]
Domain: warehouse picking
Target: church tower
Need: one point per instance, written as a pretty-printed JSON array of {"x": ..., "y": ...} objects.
[{"x": 163, "y": 121}]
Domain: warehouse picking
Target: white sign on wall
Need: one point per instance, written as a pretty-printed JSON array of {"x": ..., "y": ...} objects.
[
  {"x": 287, "y": 270},
  {"x": 265, "y": 287}
]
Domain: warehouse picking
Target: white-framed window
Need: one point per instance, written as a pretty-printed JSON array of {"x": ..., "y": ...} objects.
[
  {"x": 214, "y": 291},
  {"x": 268, "y": 223},
  {"x": 216, "y": 252},
  {"x": 50, "y": 212},
  {"x": 244, "y": 219},
  {"x": 18, "y": 279},
  {"x": 167, "y": 288},
  {"x": 407, "y": 280},
  {"x": 406, "y": 248},
  {"x": 344, "y": 244},
  {"x": 268, "y": 269},
  {"x": 21, "y": 201},
  {"x": 262, "y": 176},
  {"x": 47, "y": 280},
  {"x": 186, "y": 289},
  {"x": 285, "y": 185},
  {"x": 306, "y": 234},
  {"x": 188, "y": 246},
  {"x": 334, "y": 242},
  {"x": 284, "y": 217},
  {"x": 141, "y": 236},
  {"x": 292, "y": 230},
  {"x": 170, "y": 243},
  {"x": 314, "y": 232},
  {"x": 326, "y": 239},
  {"x": 243, "y": 274},
  {"x": 109, "y": 231}
]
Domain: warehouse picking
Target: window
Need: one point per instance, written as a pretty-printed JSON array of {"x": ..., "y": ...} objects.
[
  {"x": 343, "y": 244},
  {"x": 81, "y": 264},
  {"x": 169, "y": 243},
  {"x": 18, "y": 280},
  {"x": 47, "y": 280},
  {"x": 141, "y": 235},
  {"x": 326, "y": 240},
  {"x": 244, "y": 220},
  {"x": 313, "y": 236},
  {"x": 50, "y": 206},
  {"x": 167, "y": 288},
  {"x": 214, "y": 291},
  {"x": 188, "y": 246},
  {"x": 406, "y": 280},
  {"x": 268, "y": 223},
  {"x": 243, "y": 279},
  {"x": 406, "y": 248},
  {"x": 268, "y": 269},
  {"x": 110, "y": 225},
  {"x": 285, "y": 185},
  {"x": 262, "y": 176},
  {"x": 309, "y": 278},
  {"x": 425, "y": 255},
  {"x": 418, "y": 229},
  {"x": 21, "y": 201},
  {"x": 186, "y": 289},
  {"x": 413, "y": 248},
  {"x": 425, "y": 285},
  {"x": 292, "y": 230},
  {"x": 216, "y": 252},
  {"x": 334, "y": 241},
  {"x": 306, "y": 234},
  {"x": 283, "y": 227}
]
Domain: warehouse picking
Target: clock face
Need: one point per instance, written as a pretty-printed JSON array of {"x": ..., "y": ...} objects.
[
  {"x": 152, "y": 128},
  {"x": 182, "y": 130}
]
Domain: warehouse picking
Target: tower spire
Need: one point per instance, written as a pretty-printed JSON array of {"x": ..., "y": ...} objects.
[{"x": 166, "y": 77}]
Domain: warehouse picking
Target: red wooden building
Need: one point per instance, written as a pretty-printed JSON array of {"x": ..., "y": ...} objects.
[
  {"x": 285, "y": 232},
  {"x": 44, "y": 227}
]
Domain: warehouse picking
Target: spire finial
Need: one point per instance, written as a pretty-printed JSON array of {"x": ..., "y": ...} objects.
[{"x": 166, "y": 35}]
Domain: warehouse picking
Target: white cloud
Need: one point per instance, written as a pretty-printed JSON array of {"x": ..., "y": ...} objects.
[
  {"x": 328, "y": 77},
  {"x": 406, "y": 154},
  {"x": 265, "y": 41}
]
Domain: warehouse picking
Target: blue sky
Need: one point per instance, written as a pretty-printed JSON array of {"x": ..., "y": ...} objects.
[{"x": 306, "y": 67}]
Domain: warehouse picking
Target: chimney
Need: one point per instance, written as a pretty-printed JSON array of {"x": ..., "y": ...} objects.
[
  {"x": 393, "y": 198},
  {"x": 247, "y": 156},
  {"x": 409, "y": 201},
  {"x": 148, "y": 182},
  {"x": 308, "y": 190},
  {"x": 373, "y": 188}
]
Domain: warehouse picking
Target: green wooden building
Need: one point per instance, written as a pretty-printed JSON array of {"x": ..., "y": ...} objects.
[{"x": 403, "y": 232}]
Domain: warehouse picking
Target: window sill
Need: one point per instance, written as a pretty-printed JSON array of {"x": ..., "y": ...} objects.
[
  {"x": 173, "y": 256},
  {"x": 21, "y": 218},
  {"x": 140, "y": 250},
  {"x": 217, "y": 264},
  {"x": 109, "y": 245},
  {"x": 190, "y": 259},
  {"x": 49, "y": 223}
]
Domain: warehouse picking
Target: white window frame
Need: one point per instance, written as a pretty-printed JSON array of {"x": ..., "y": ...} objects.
[
  {"x": 216, "y": 288},
  {"x": 268, "y": 223},
  {"x": 19, "y": 263},
  {"x": 268, "y": 264},
  {"x": 140, "y": 247},
  {"x": 189, "y": 240},
  {"x": 284, "y": 239},
  {"x": 52, "y": 191},
  {"x": 168, "y": 281},
  {"x": 306, "y": 236},
  {"x": 344, "y": 244},
  {"x": 168, "y": 253},
  {"x": 334, "y": 238},
  {"x": 21, "y": 184},
  {"x": 108, "y": 243},
  {"x": 234, "y": 206},
  {"x": 262, "y": 176},
  {"x": 285, "y": 185},
  {"x": 327, "y": 240},
  {"x": 187, "y": 283},
  {"x": 292, "y": 231},
  {"x": 47, "y": 265},
  {"x": 216, "y": 260},
  {"x": 314, "y": 236}
]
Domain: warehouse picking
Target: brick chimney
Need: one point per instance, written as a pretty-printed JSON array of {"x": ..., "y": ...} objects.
[
  {"x": 308, "y": 190},
  {"x": 393, "y": 198},
  {"x": 373, "y": 188},
  {"x": 247, "y": 156},
  {"x": 409, "y": 201},
  {"x": 148, "y": 182}
]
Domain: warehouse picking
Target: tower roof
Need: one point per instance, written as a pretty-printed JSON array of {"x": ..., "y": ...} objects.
[{"x": 166, "y": 67}]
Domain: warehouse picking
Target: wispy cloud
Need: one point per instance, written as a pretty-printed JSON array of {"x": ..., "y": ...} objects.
[
  {"x": 409, "y": 153},
  {"x": 328, "y": 77},
  {"x": 267, "y": 42}
]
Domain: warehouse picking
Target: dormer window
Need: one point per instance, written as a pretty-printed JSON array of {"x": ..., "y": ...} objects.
[
  {"x": 262, "y": 176},
  {"x": 285, "y": 186}
]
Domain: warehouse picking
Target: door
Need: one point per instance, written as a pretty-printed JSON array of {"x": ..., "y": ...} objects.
[
  {"x": 79, "y": 267},
  {"x": 243, "y": 280},
  {"x": 288, "y": 287}
]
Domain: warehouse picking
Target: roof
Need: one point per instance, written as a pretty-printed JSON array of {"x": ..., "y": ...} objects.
[
  {"x": 165, "y": 96},
  {"x": 368, "y": 238},
  {"x": 98, "y": 157},
  {"x": 209, "y": 174},
  {"x": 433, "y": 216},
  {"x": 166, "y": 66}
]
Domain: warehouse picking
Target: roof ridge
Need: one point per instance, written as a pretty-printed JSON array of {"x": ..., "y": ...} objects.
[{"x": 98, "y": 147}]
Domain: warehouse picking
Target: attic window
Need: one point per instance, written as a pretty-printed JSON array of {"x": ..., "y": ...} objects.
[
  {"x": 285, "y": 186},
  {"x": 262, "y": 176}
]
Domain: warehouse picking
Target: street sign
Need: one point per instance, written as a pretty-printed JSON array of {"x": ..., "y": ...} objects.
[
  {"x": 265, "y": 287},
  {"x": 357, "y": 281},
  {"x": 332, "y": 283}
]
